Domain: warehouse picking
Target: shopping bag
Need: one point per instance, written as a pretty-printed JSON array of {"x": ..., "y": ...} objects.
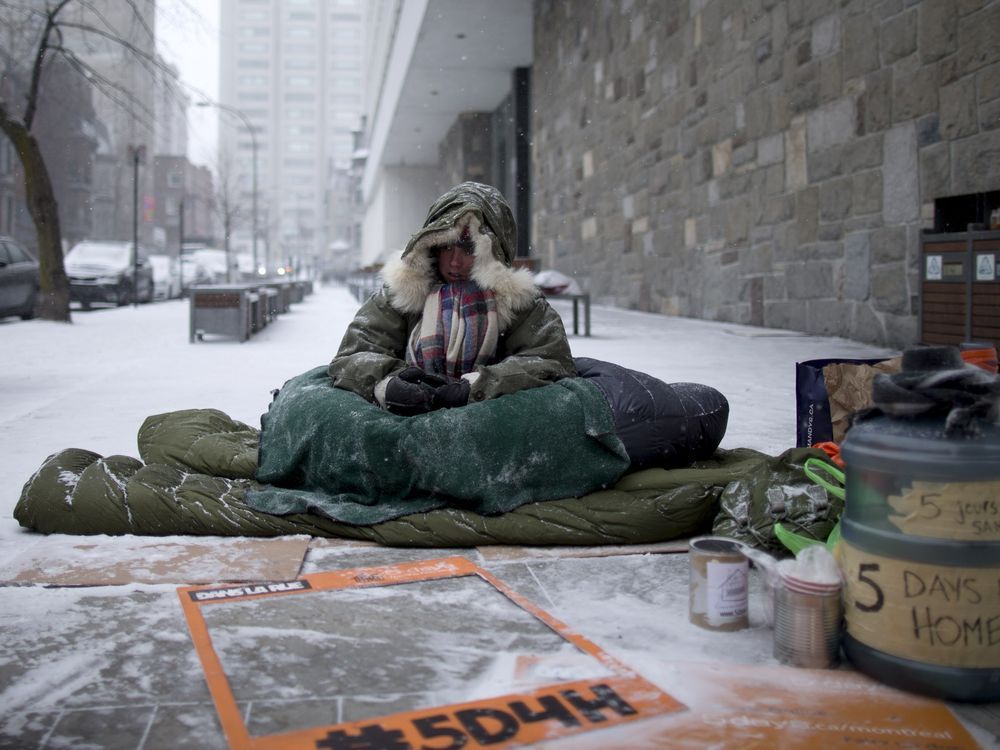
[{"x": 828, "y": 391}]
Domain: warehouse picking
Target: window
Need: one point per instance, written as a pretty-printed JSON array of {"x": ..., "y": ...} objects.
[
  {"x": 16, "y": 253},
  {"x": 252, "y": 96},
  {"x": 300, "y": 130},
  {"x": 300, "y": 81},
  {"x": 299, "y": 163},
  {"x": 298, "y": 63},
  {"x": 345, "y": 64},
  {"x": 175, "y": 179},
  {"x": 301, "y": 16},
  {"x": 252, "y": 81},
  {"x": 255, "y": 31},
  {"x": 253, "y": 15},
  {"x": 301, "y": 147},
  {"x": 345, "y": 100},
  {"x": 343, "y": 142},
  {"x": 254, "y": 48},
  {"x": 299, "y": 97},
  {"x": 299, "y": 114},
  {"x": 253, "y": 64},
  {"x": 300, "y": 32},
  {"x": 346, "y": 33},
  {"x": 345, "y": 83}
]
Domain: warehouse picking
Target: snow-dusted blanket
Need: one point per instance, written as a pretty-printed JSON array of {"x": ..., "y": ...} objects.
[{"x": 328, "y": 451}]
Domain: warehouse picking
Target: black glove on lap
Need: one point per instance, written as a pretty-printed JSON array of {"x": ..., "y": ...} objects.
[
  {"x": 451, "y": 395},
  {"x": 407, "y": 399},
  {"x": 419, "y": 376}
]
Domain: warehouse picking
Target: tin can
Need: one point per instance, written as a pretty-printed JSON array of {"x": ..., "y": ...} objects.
[
  {"x": 718, "y": 583},
  {"x": 808, "y": 618}
]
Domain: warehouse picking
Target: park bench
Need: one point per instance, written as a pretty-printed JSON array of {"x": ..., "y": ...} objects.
[{"x": 577, "y": 299}]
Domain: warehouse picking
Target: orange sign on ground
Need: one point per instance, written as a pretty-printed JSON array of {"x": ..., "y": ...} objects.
[{"x": 560, "y": 708}]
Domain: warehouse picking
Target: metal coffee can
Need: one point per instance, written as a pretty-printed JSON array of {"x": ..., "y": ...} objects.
[
  {"x": 718, "y": 583},
  {"x": 807, "y": 622}
]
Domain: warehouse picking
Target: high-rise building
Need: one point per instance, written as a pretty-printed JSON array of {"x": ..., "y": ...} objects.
[
  {"x": 104, "y": 35},
  {"x": 291, "y": 70},
  {"x": 92, "y": 113}
]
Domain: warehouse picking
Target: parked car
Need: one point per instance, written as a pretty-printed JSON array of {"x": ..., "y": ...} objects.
[
  {"x": 166, "y": 276},
  {"x": 18, "y": 280},
  {"x": 103, "y": 272},
  {"x": 203, "y": 266}
]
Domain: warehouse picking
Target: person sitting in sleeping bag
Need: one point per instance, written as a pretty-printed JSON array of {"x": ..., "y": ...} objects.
[{"x": 454, "y": 322}]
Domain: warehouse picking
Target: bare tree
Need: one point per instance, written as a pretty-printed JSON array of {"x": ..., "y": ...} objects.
[
  {"x": 47, "y": 24},
  {"x": 227, "y": 206}
]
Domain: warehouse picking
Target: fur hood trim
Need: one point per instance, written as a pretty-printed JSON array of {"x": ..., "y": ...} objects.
[{"x": 411, "y": 277}]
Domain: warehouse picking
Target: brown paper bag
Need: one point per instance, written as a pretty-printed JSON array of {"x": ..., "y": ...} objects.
[{"x": 849, "y": 388}]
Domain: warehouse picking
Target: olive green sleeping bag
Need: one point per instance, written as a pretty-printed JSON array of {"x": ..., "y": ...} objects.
[{"x": 169, "y": 493}]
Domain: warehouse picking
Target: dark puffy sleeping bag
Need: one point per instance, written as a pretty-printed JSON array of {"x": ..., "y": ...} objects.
[{"x": 666, "y": 425}]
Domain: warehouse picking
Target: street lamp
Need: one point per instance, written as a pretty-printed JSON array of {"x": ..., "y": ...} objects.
[
  {"x": 137, "y": 154},
  {"x": 253, "y": 144}
]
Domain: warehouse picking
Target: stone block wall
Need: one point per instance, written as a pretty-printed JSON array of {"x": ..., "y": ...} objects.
[{"x": 768, "y": 162}]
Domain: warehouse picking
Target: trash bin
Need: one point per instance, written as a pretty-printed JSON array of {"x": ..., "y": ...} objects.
[{"x": 959, "y": 287}]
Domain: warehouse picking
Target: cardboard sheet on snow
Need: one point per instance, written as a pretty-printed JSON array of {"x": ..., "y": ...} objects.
[
  {"x": 303, "y": 663},
  {"x": 276, "y": 668},
  {"x": 58, "y": 560},
  {"x": 766, "y": 707}
]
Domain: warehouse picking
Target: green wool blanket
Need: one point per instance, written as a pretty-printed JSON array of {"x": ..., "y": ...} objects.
[{"x": 328, "y": 451}]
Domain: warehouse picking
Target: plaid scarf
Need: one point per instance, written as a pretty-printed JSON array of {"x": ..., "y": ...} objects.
[{"x": 458, "y": 330}]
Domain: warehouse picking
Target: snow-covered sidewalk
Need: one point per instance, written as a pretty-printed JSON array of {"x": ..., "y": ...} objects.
[{"x": 113, "y": 666}]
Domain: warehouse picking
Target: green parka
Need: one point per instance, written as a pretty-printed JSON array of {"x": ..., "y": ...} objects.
[{"x": 532, "y": 349}]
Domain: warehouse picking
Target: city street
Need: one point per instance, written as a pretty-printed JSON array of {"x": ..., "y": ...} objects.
[{"x": 112, "y": 666}]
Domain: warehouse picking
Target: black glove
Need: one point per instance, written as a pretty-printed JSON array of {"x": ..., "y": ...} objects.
[
  {"x": 452, "y": 394},
  {"x": 419, "y": 376},
  {"x": 407, "y": 399}
]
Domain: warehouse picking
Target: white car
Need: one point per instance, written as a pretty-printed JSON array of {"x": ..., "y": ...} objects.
[
  {"x": 203, "y": 266},
  {"x": 108, "y": 272},
  {"x": 166, "y": 276}
]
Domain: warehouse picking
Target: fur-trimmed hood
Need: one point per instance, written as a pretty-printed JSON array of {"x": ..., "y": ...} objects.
[{"x": 482, "y": 212}]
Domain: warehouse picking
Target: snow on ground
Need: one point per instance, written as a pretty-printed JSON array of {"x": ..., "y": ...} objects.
[
  {"x": 67, "y": 667},
  {"x": 90, "y": 384}
]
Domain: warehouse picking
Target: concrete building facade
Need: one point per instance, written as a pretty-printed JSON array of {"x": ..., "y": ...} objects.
[{"x": 441, "y": 78}]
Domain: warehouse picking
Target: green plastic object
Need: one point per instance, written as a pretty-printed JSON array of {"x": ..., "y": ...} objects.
[
  {"x": 814, "y": 469},
  {"x": 797, "y": 542}
]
